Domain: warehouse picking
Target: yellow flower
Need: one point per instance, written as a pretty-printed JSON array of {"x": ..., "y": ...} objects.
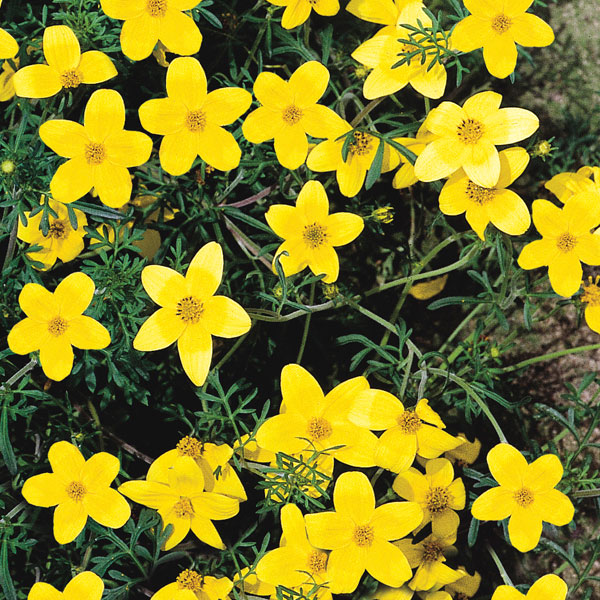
[
  {"x": 388, "y": 12},
  {"x": 591, "y": 296},
  {"x": 7, "y": 84},
  {"x": 8, "y": 44},
  {"x": 249, "y": 583},
  {"x": 384, "y": 50},
  {"x": 429, "y": 556},
  {"x": 497, "y": 25},
  {"x": 503, "y": 208},
  {"x": 191, "y": 120},
  {"x": 78, "y": 488},
  {"x": 350, "y": 173},
  {"x": 405, "y": 175},
  {"x": 290, "y": 111},
  {"x": 359, "y": 535},
  {"x": 298, "y": 11},
  {"x": 548, "y": 587},
  {"x": 311, "y": 233},
  {"x": 55, "y": 324},
  {"x": 385, "y": 214},
  {"x": 148, "y": 21},
  {"x": 566, "y": 185},
  {"x": 190, "y": 313},
  {"x": 311, "y": 420},
  {"x": 183, "y": 503},
  {"x": 210, "y": 458},
  {"x": 566, "y": 241},
  {"x": 438, "y": 493},
  {"x": 407, "y": 432},
  {"x": 428, "y": 289},
  {"x": 190, "y": 585},
  {"x": 465, "y": 587},
  {"x": 62, "y": 241},
  {"x": 468, "y": 136},
  {"x": 67, "y": 68},
  {"x": 85, "y": 586},
  {"x": 296, "y": 564},
  {"x": 526, "y": 494},
  {"x": 99, "y": 151},
  {"x": 466, "y": 453}
]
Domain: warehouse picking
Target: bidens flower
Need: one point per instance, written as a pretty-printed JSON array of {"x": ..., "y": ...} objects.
[
  {"x": 311, "y": 233},
  {"x": 359, "y": 535},
  {"x": 548, "y": 587},
  {"x": 55, "y": 324},
  {"x": 7, "y": 86},
  {"x": 148, "y": 21},
  {"x": 468, "y": 136},
  {"x": 99, "y": 151},
  {"x": 191, "y": 120},
  {"x": 297, "y": 11},
  {"x": 497, "y": 25},
  {"x": 190, "y": 585},
  {"x": 565, "y": 185},
  {"x": 566, "y": 241},
  {"x": 526, "y": 494},
  {"x": 482, "y": 205},
  {"x": 80, "y": 488},
  {"x": 67, "y": 68},
  {"x": 591, "y": 297},
  {"x": 85, "y": 586},
  {"x": 190, "y": 313},
  {"x": 183, "y": 503},
  {"x": 61, "y": 241},
  {"x": 289, "y": 111}
]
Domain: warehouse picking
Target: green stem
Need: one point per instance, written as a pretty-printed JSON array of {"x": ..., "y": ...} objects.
[
  {"x": 507, "y": 580},
  {"x": 97, "y": 422},
  {"x": 20, "y": 373},
  {"x": 543, "y": 357},
  {"x": 366, "y": 110},
  {"x": 473, "y": 394},
  {"x": 593, "y": 493},
  {"x": 306, "y": 325}
]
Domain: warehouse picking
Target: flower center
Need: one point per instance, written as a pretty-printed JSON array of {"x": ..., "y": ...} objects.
[
  {"x": 314, "y": 235},
  {"x": 361, "y": 144},
  {"x": 183, "y": 508},
  {"x": 409, "y": 422},
  {"x": 76, "y": 491},
  {"x": 57, "y": 326},
  {"x": 363, "y": 535},
  {"x": 95, "y": 153},
  {"x": 523, "y": 497},
  {"x": 317, "y": 562},
  {"x": 480, "y": 195},
  {"x": 501, "y": 23},
  {"x": 437, "y": 499},
  {"x": 566, "y": 242},
  {"x": 189, "y": 580},
  {"x": 189, "y": 446},
  {"x": 470, "y": 131},
  {"x": 195, "y": 120},
  {"x": 71, "y": 78},
  {"x": 318, "y": 429},
  {"x": 156, "y": 8},
  {"x": 591, "y": 292},
  {"x": 432, "y": 551},
  {"x": 57, "y": 230},
  {"x": 189, "y": 309},
  {"x": 292, "y": 114}
]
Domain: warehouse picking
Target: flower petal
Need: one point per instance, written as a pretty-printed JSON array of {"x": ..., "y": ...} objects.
[
  {"x": 27, "y": 336},
  {"x": 375, "y": 409},
  {"x": 37, "y": 302},
  {"x": 139, "y": 36},
  {"x": 384, "y": 13},
  {"x": 195, "y": 351},
  {"x": 300, "y": 391},
  {"x": 482, "y": 164},
  {"x": 100, "y": 470},
  {"x": 8, "y": 45},
  {"x": 215, "y": 506},
  {"x": 507, "y": 466},
  {"x": 225, "y": 105},
  {"x": 470, "y": 34},
  {"x": 61, "y": 48},
  {"x": 345, "y": 567},
  {"x": 46, "y": 489},
  {"x": 113, "y": 184},
  {"x": 205, "y": 272},
  {"x": 320, "y": 121},
  {"x": 186, "y": 82},
  {"x": 395, "y": 520},
  {"x": 44, "y": 591},
  {"x": 86, "y": 333},
  {"x": 159, "y": 330},
  {"x": 164, "y": 285},
  {"x": 36, "y": 81},
  {"x": 291, "y": 146},
  {"x": 554, "y": 507},
  {"x": 509, "y": 213},
  {"x": 179, "y": 33},
  {"x": 387, "y": 564},
  {"x": 66, "y": 138},
  {"x": 510, "y": 125},
  {"x": 85, "y": 585},
  {"x": 324, "y": 260},
  {"x": 494, "y": 504},
  {"x": 149, "y": 493},
  {"x": 439, "y": 159},
  {"x": 178, "y": 151},
  {"x": 296, "y": 13},
  {"x": 217, "y": 147},
  {"x": 537, "y": 254},
  {"x": 123, "y": 9},
  {"x": 72, "y": 180},
  {"x": 432, "y": 441},
  {"x": 225, "y": 318},
  {"x": 181, "y": 527},
  {"x": 66, "y": 460},
  {"x": 353, "y": 497},
  {"x": 359, "y": 445},
  {"x": 283, "y": 433},
  {"x": 308, "y": 83},
  {"x": 282, "y": 219},
  {"x": 107, "y": 507},
  {"x": 261, "y": 125},
  {"x": 500, "y": 55},
  {"x": 74, "y": 294},
  {"x": 128, "y": 148},
  {"x": 205, "y": 531},
  {"x": 565, "y": 273},
  {"x": 524, "y": 529},
  {"x": 96, "y": 67},
  {"x": 513, "y": 161},
  {"x": 104, "y": 114},
  {"x": 343, "y": 228},
  {"x": 529, "y": 30},
  {"x": 70, "y": 518},
  {"x": 56, "y": 357},
  {"x": 543, "y": 473},
  {"x": 162, "y": 116},
  {"x": 329, "y": 530}
]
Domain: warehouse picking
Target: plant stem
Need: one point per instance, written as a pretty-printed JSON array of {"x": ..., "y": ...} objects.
[
  {"x": 20, "y": 373},
  {"x": 306, "y": 325},
  {"x": 507, "y": 580},
  {"x": 366, "y": 110}
]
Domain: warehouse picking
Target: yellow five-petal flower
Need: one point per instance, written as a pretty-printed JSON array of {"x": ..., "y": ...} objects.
[
  {"x": 191, "y": 585},
  {"x": 148, "y": 21},
  {"x": 99, "y": 151},
  {"x": 497, "y": 26},
  {"x": 311, "y": 233},
  {"x": 526, "y": 494},
  {"x": 85, "y": 586},
  {"x": 191, "y": 120},
  {"x": 548, "y": 587},
  {"x": 55, "y": 324},
  {"x": 289, "y": 111},
  {"x": 190, "y": 312},
  {"x": 80, "y": 488},
  {"x": 67, "y": 68},
  {"x": 297, "y": 11}
]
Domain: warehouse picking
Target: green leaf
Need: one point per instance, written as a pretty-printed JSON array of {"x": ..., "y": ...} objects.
[
  {"x": 375, "y": 169},
  {"x": 5, "y": 445}
]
